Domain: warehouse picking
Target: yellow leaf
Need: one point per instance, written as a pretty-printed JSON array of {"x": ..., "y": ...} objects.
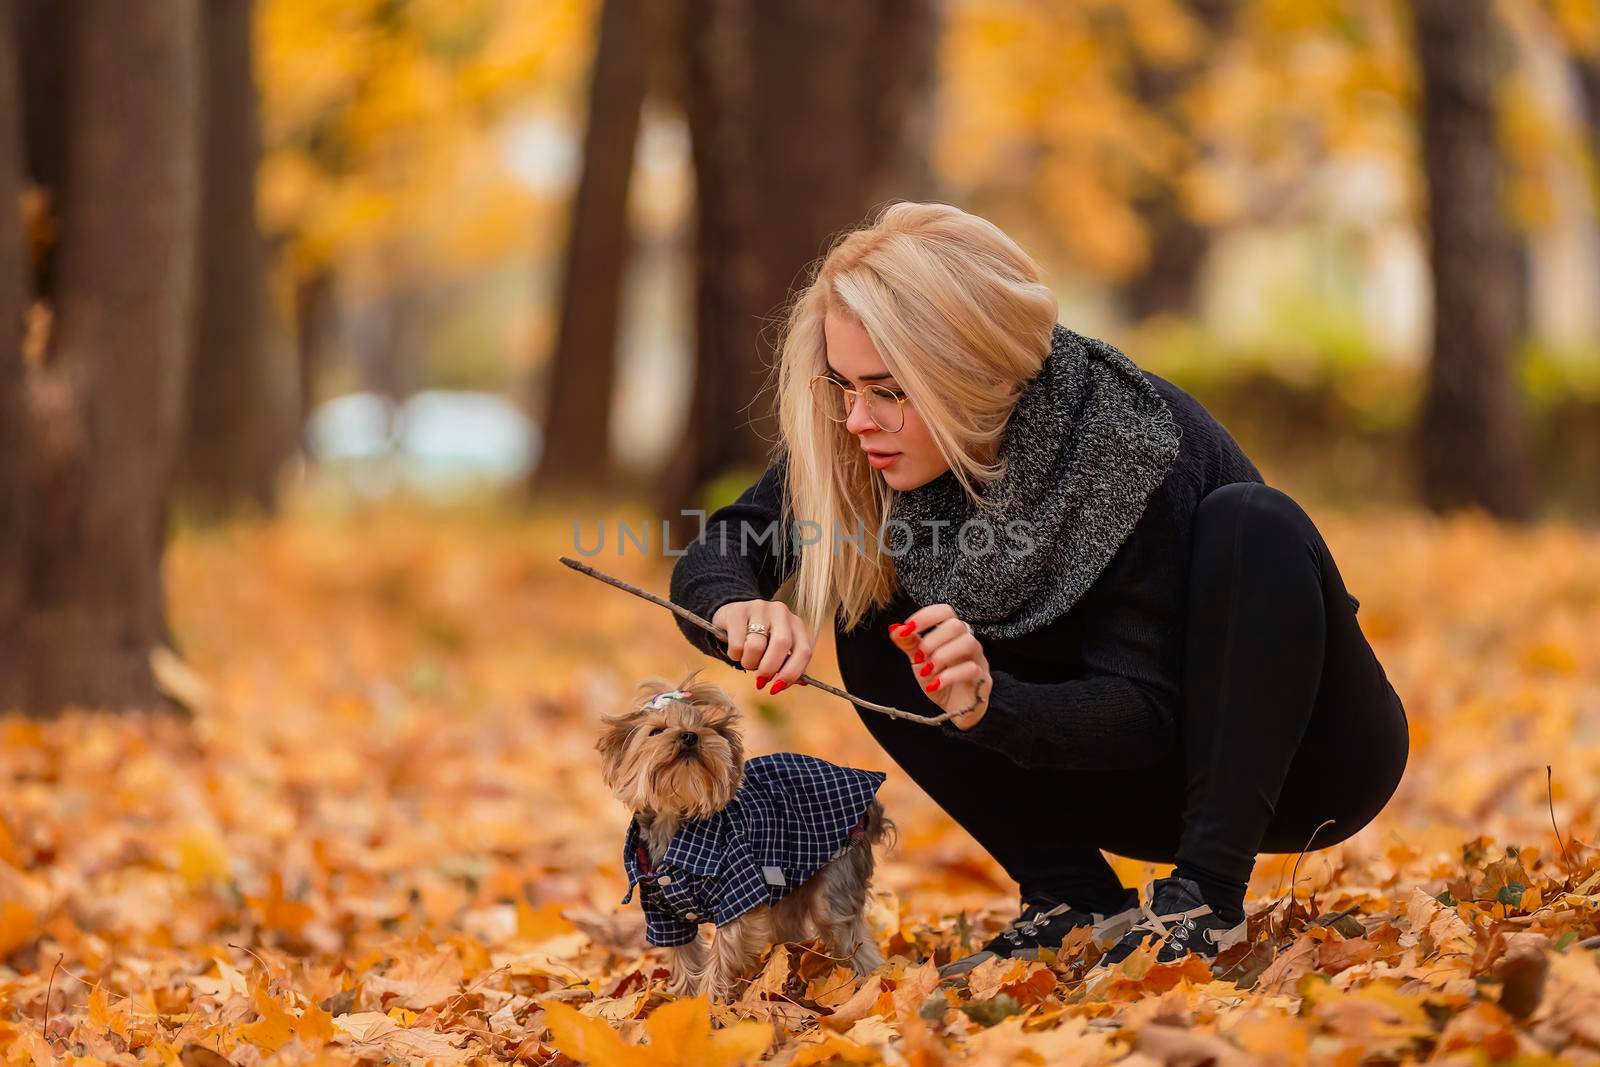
[
  {"x": 859, "y": 1006},
  {"x": 677, "y": 1033},
  {"x": 314, "y": 1026},
  {"x": 279, "y": 1025},
  {"x": 202, "y": 859},
  {"x": 105, "y": 1017},
  {"x": 274, "y": 1029},
  {"x": 542, "y": 923},
  {"x": 832, "y": 1049},
  {"x": 18, "y": 926},
  {"x": 680, "y": 1032},
  {"x": 587, "y": 1040}
]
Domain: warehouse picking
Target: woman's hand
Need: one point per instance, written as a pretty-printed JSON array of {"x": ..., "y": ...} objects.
[
  {"x": 948, "y": 660},
  {"x": 781, "y": 654}
]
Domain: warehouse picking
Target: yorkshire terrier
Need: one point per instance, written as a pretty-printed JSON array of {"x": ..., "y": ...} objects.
[{"x": 770, "y": 850}]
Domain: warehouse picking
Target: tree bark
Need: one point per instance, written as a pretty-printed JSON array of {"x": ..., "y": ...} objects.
[
  {"x": 105, "y": 444},
  {"x": 577, "y": 423},
  {"x": 804, "y": 117},
  {"x": 1471, "y": 440},
  {"x": 14, "y": 289},
  {"x": 313, "y": 329},
  {"x": 43, "y": 51},
  {"x": 238, "y": 420}
]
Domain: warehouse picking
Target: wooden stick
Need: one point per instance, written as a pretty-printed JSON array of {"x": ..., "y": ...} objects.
[{"x": 721, "y": 634}]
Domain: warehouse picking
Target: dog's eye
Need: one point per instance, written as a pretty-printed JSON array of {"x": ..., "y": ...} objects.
[{"x": 657, "y": 730}]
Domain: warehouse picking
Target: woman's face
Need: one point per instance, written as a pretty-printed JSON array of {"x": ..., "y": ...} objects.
[{"x": 908, "y": 458}]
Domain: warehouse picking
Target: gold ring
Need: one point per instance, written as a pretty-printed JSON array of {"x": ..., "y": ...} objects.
[{"x": 756, "y": 628}]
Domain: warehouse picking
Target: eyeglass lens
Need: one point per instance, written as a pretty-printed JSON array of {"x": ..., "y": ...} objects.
[{"x": 836, "y": 400}]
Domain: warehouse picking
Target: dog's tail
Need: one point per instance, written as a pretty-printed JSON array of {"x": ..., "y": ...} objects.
[{"x": 880, "y": 828}]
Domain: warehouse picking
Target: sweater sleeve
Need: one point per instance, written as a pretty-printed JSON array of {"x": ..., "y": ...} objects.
[
  {"x": 743, "y": 554},
  {"x": 1122, "y": 712}
]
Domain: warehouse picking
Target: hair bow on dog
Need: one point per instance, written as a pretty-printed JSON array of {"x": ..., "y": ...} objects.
[{"x": 661, "y": 698}]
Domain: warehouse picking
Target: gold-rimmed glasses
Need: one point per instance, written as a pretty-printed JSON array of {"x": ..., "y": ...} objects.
[{"x": 836, "y": 400}]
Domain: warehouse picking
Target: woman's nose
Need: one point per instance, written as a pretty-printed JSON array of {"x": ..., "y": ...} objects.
[{"x": 860, "y": 420}]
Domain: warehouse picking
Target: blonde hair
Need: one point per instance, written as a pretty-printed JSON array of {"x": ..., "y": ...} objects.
[{"x": 958, "y": 313}]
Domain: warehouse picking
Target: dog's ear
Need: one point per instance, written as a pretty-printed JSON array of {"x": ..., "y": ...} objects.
[
  {"x": 613, "y": 743},
  {"x": 725, "y": 721}
]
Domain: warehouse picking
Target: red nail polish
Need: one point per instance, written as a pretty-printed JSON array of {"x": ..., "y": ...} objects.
[
  {"x": 919, "y": 657},
  {"x": 934, "y": 684},
  {"x": 927, "y": 669},
  {"x": 777, "y": 687},
  {"x": 802, "y": 682},
  {"x": 761, "y": 680}
]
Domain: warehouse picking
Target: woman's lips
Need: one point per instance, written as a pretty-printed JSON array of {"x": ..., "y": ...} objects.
[{"x": 881, "y": 460}]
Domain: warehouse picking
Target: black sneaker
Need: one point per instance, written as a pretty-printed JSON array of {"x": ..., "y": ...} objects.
[
  {"x": 1045, "y": 925},
  {"x": 1180, "y": 921}
]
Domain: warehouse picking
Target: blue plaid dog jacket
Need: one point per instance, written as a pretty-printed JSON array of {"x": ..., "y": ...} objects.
[{"x": 790, "y": 815}]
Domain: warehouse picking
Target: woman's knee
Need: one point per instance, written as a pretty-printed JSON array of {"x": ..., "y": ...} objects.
[
  {"x": 1240, "y": 506},
  {"x": 1255, "y": 523}
]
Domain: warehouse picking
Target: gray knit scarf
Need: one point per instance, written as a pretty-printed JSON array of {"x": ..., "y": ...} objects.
[{"x": 1087, "y": 443}]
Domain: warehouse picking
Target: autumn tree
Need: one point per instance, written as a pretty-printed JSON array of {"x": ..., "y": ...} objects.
[
  {"x": 386, "y": 172},
  {"x": 1470, "y": 437},
  {"x": 13, "y": 296},
  {"x": 106, "y": 396},
  {"x": 1176, "y": 244},
  {"x": 800, "y": 115},
  {"x": 578, "y": 394},
  {"x": 239, "y": 417}
]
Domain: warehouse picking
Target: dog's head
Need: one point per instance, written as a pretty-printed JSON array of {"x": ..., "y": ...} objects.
[{"x": 675, "y": 751}]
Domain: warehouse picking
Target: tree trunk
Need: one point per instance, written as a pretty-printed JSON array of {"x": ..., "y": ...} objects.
[
  {"x": 14, "y": 290},
  {"x": 239, "y": 427},
  {"x": 313, "y": 328},
  {"x": 1471, "y": 440},
  {"x": 577, "y": 423},
  {"x": 103, "y": 454},
  {"x": 802, "y": 115},
  {"x": 1178, "y": 245},
  {"x": 1588, "y": 71},
  {"x": 42, "y": 47}
]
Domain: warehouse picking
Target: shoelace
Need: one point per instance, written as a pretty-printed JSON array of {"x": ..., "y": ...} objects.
[
  {"x": 1183, "y": 920},
  {"x": 1022, "y": 925}
]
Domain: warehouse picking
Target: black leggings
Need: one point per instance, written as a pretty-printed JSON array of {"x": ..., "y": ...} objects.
[{"x": 1288, "y": 721}]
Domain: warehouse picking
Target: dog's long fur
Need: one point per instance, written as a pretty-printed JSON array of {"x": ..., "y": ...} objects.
[{"x": 647, "y": 763}]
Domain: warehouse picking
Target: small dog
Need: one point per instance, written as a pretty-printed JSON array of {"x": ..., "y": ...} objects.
[{"x": 772, "y": 850}]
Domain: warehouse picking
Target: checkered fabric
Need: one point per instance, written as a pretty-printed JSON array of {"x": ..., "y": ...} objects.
[{"x": 790, "y": 815}]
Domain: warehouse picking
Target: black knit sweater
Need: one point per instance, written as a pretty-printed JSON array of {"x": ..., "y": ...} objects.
[{"x": 1097, "y": 688}]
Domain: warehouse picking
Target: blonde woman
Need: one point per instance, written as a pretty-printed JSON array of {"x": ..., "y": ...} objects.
[{"x": 1151, "y": 652}]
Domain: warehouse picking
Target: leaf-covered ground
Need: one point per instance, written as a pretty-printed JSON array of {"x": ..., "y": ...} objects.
[{"x": 384, "y": 839}]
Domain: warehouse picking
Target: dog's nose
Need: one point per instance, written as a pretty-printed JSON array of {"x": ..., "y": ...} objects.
[{"x": 688, "y": 739}]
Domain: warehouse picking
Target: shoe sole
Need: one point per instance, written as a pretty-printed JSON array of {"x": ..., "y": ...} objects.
[
  {"x": 1105, "y": 933},
  {"x": 1226, "y": 940}
]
